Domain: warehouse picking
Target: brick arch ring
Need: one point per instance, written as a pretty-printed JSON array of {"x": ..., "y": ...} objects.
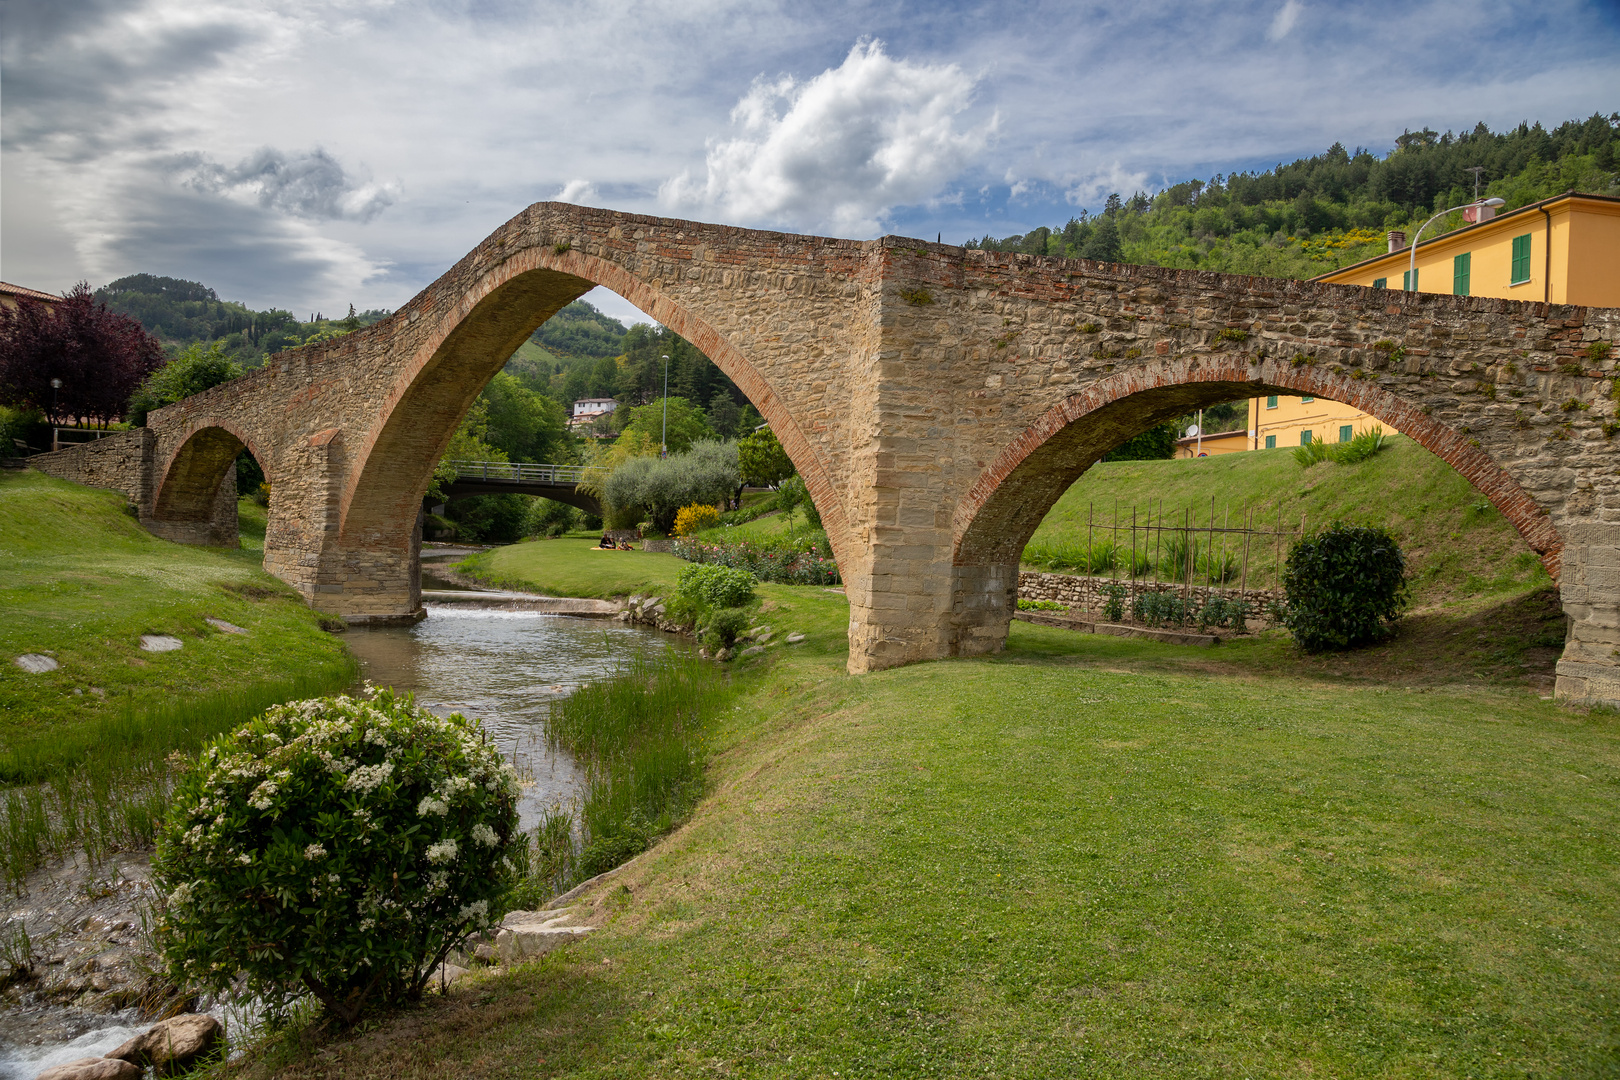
[
  {"x": 493, "y": 317},
  {"x": 190, "y": 477},
  {"x": 1001, "y": 511}
]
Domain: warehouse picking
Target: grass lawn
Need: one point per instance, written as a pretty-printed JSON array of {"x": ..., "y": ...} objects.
[
  {"x": 572, "y": 566},
  {"x": 1086, "y": 856},
  {"x": 81, "y": 581},
  {"x": 1458, "y": 546}
]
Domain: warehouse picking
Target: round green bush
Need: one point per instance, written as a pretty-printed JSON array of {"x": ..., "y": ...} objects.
[
  {"x": 715, "y": 586},
  {"x": 1346, "y": 586},
  {"x": 341, "y": 846}
]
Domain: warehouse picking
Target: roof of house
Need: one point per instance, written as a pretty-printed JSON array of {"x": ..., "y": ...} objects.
[
  {"x": 8, "y": 289},
  {"x": 1492, "y": 223}
]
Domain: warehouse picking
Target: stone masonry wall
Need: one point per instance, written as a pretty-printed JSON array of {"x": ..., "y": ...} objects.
[{"x": 1088, "y": 594}]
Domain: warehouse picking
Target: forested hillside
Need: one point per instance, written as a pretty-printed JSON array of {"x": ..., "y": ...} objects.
[
  {"x": 1317, "y": 214},
  {"x": 180, "y": 313}
]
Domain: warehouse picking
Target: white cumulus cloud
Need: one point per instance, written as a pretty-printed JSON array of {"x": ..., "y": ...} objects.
[
  {"x": 1284, "y": 21},
  {"x": 841, "y": 150},
  {"x": 310, "y": 185},
  {"x": 1093, "y": 189},
  {"x": 577, "y": 191}
]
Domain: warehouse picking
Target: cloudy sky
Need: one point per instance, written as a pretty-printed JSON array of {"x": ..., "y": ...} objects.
[{"x": 309, "y": 154}]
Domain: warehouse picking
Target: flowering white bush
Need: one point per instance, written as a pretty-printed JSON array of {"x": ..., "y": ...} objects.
[{"x": 338, "y": 845}]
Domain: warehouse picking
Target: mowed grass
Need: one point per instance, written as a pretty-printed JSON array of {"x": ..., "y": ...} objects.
[
  {"x": 1086, "y": 856},
  {"x": 81, "y": 581},
  {"x": 572, "y": 566},
  {"x": 1458, "y": 546}
]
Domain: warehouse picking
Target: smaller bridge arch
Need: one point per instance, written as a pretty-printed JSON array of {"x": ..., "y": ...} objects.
[{"x": 195, "y": 497}]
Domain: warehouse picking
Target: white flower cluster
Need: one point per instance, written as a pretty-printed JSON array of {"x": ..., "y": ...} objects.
[
  {"x": 430, "y": 806},
  {"x": 314, "y": 851},
  {"x": 367, "y": 778},
  {"x": 443, "y": 851},
  {"x": 485, "y": 835}
]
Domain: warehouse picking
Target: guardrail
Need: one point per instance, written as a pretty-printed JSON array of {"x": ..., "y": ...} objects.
[{"x": 510, "y": 472}]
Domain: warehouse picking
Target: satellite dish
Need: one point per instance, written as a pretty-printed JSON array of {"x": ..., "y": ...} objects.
[{"x": 1192, "y": 430}]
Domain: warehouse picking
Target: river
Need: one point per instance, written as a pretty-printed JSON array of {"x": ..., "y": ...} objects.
[{"x": 503, "y": 667}]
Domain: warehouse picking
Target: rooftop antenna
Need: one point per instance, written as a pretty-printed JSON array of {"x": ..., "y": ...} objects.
[{"x": 1476, "y": 170}]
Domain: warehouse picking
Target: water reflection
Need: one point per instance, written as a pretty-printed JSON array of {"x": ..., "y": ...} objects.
[{"x": 503, "y": 667}]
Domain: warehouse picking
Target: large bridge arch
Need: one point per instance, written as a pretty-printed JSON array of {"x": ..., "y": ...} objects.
[
  {"x": 1006, "y": 503},
  {"x": 473, "y": 340}
]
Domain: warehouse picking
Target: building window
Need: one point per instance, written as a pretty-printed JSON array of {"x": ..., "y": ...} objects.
[
  {"x": 1271, "y": 402},
  {"x": 1305, "y": 400},
  {"x": 1459, "y": 274},
  {"x": 1271, "y": 442},
  {"x": 1305, "y": 437},
  {"x": 1380, "y": 282},
  {"x": 1346, "y": 432},
  {"x": 1409, "y": 280},
  {"x": 1521, "y": 259}
]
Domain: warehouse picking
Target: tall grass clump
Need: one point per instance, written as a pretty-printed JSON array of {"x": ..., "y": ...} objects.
[
  {"x": 105, "y": 787},
  {"x": 638, "y": 738}
]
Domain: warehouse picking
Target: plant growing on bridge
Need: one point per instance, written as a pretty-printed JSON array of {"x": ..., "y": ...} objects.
[
  {"x": 339, "y": 846},
  {"x": 1346, "y": 586}
]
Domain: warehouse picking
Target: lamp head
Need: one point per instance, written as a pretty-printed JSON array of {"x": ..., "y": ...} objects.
[
  {"x": 56, "y": 384},
  {"x": 1493, "y": 202}
]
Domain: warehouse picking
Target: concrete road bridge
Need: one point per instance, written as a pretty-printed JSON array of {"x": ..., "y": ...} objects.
[
  {"x": 559, "y": 482},
  {"x": 937, "y": 402}
]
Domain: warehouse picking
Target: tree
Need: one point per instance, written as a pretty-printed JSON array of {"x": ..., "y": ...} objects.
[
  {"x": 1156, "y": 443},
  {"x": 196, "y": 369},
  {"x": 659, "y": 487},
  {"x": 528, "y": 426},
  {"x": 1104, "y": 245},
  {"x": 99, "y": 356},
  {"x": 761, "y": 459},
  {"x": 687, "y": 424},
  {"x": 724, "y": 412}
]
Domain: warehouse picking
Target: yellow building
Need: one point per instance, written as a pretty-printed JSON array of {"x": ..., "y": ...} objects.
[
  {"x": 1509, "y": 255},
  {"x": 1277, "y": 421}
]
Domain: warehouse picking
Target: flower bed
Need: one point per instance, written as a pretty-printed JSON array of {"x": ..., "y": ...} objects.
[{"x": 805, "y": 560}]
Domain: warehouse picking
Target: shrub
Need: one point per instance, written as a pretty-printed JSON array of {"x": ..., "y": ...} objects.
[
  {"x": 1346, "y": 586},
  {"x": 1114, "y": 606},
  {"x": 794, "y": 560},
  {"x": 338, "y": 845},
  {"x": 721, "y": 629},
  {"x": 715, "y": 586},
  {"x": 659, "y": 487},
  {"x": 1312, "y": 453},
  {"x": 695, "y": 518},
  {"x": 1040, "y": 605},
  {"x": 762, "y": 460}
]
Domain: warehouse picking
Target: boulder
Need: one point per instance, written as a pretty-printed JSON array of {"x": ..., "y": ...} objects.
[
  {"x": 36, "y": 663},
  {"x": 527, "y": 934},
  {"x": 171, "y": 1046},
  {"x": 794, "y": 638},
  {"x": 160, "y": 643},
  {"x": 93, "y": 1069},
  {"x": 752, "y": 650}
]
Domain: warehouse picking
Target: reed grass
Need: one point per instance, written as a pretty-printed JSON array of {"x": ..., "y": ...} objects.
[
  {"x": 638, "y": 737},
  {"x": 104, "y": 787}
]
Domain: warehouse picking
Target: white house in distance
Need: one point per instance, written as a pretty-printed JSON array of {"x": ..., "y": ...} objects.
[{"x": 586, "y": 410}]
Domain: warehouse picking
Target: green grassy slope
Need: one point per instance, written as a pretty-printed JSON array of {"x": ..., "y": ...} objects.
[
  {"x": 1087, "y": 856},
  {"x": 572, "y": 566},
  {"x": 1458, "y": 545},
  {"x": 81, "y": 581}
]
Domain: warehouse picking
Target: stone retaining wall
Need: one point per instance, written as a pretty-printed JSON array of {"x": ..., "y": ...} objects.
[{"x": 1085, "y": 594}]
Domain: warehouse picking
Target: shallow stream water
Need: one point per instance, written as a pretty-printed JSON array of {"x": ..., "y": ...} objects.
[{"x": 502, "y": 667}]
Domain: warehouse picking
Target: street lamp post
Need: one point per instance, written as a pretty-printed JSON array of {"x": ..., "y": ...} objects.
[
  {"x": 665, "y": 440},
  {"x": 1411, "y": 269}
]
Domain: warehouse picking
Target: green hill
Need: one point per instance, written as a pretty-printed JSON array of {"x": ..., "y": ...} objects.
[{"x": 1459, "y": 546}]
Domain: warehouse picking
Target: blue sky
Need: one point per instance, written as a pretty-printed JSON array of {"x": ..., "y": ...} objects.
[{"x": 312, "y": 154}]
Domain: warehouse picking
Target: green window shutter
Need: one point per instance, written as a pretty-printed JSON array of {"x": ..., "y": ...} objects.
[
  {"x": 1271, "y": 442},
  {"x": 1459, "y": 274},
  {"x": 1521, "y": 259},
  {"x": 1305, "y": 437},
  {"x": 1304, "y": 400},
  {"x": 1409, "y": 280},
  {"x": 1271, "y": 402},
  {"x": 1346, "y": 432},
  {"x": 1381, "y": 283}
]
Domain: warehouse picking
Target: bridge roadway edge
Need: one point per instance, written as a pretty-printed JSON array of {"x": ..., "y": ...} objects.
[{"x": 939, "y": 400}]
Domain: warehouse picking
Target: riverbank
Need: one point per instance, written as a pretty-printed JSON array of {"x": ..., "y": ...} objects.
[{"x": 1086, "y": 856}]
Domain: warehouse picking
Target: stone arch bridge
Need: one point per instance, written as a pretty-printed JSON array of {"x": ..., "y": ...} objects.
[{"x": 937, "y": 402}]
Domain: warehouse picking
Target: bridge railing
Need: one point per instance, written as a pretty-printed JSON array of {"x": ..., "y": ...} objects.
[{"x": 512, "y": 472}]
